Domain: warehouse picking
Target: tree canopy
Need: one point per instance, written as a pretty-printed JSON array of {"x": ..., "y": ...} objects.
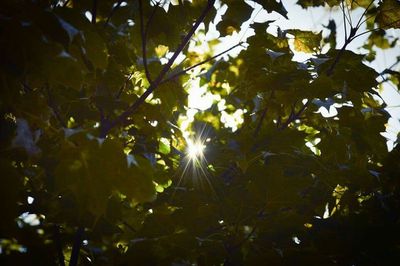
[{"x": 105, "y": 161}]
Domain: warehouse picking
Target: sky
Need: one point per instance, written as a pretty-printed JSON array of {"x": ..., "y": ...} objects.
[{"x": 306, "y": 19}]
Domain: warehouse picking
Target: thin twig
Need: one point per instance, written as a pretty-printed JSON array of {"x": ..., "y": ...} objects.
[
  {"x": 184, "y": 71},
  {"x": 329, "y": 72},
  {"x": 65, "y": 3},
  {"x": 366, "y": 19},
  {"x": 369, "y": 31},
  {"x": 94, "y": 11},
  {"x": 144, "y": 44},
  {"x": 344, "y": 13},
  {"x": 353, "y": 35},
  {"x": 294, "y": 115},
  {"x": 253, "y": 230},
  {"x": 344, "y": 21},
  {"x": 26, "y": 87},
  {"x": 53, "y": 106},
  {"x": 359, "y": 23},
  {"x": 118, "y": 95},
  {"x": 155, "y": 8},
  {"x": 58, "y": 245},
  {"x": 349, "y": 39},
  {"x": 386, "y": 70},
  {"x": 348, "y": 13},
  {"x": 76, "y": 246},
  {"x": 132, "y": 108},
  {"x": 257, "y": 130},
  {"x": 130, "y": 227},
  {"x": 112, "y": 12}
]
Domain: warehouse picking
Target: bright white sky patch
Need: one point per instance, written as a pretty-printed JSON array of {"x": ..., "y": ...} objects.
[
  {"x": 30, "y": 200},
  {"x": 314, "y": 19}
]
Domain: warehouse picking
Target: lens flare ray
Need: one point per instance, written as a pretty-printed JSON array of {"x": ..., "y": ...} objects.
[{"x": 194, "y": 166}]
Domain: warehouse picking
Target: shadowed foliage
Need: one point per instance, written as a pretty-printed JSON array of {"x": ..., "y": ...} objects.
[{"x": 97, "y": 167}]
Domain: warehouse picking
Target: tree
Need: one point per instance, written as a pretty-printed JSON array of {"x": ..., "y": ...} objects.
[{"x": 97, "y": 169}]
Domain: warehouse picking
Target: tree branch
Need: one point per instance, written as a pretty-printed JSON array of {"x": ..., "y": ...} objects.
[
  {"x": 363, "y": 14},
  {"x": 112, "y": 12},
  {"x": 118, "y": 95},
  {"x": 54, "y": 108},
  {"x": 329, "y": 72},
  {"x": 350, "y": 38},
  {"x": 345, "y": 18},
  {"x": 143, "y": 34},
  {"x": 58, "y": 245},
  {"x": 130, "y": 227},
  {"x": 369, "y": 31},
  {"x": 264, "y": 112},
  {"x": 353, "y": 35},
  {"x": 65, "y": 3},
  {"x": 94, "y": 11},
  {"x": 344, "y": 21},
  {"x": 76, "y": 246},
  {"x": 294, "y": 115},
  {"x": 131, "y": 109},
  {"x": 173, "y": 76}
]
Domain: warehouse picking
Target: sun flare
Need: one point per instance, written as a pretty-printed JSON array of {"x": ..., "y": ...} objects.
[{"x": 195, "y": 150}]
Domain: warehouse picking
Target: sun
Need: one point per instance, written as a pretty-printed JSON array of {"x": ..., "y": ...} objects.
[{"x": 195, "y": 150}]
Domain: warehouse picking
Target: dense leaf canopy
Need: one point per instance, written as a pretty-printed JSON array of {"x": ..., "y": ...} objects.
[{"x": 105, "y": 161}]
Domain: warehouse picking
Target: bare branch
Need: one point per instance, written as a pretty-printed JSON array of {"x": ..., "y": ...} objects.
[
  {"x": 366, "y": 19},
  {"x": 369, "y": 31},
  {"x": 348, "y": 13},
  {"x": 359, "y": 23},
  {"x": 344, "y": 21}
]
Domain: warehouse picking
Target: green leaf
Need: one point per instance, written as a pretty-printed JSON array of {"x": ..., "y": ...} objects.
[
  {"x": 306, "y": 41},
  {"x": 64, "y": 70},
  {"x": 310, "y": 3},
  {"x": 273, "y": 5},
  {"x": 388, "y": 15},
  {"x": 164, "y": 146},
  {"x": 238, "y": 12},
  {"x": 96, "y": 49}
]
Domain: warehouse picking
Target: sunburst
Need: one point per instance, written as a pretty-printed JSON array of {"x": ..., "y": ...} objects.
[{"x": 194, "y": 171}]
